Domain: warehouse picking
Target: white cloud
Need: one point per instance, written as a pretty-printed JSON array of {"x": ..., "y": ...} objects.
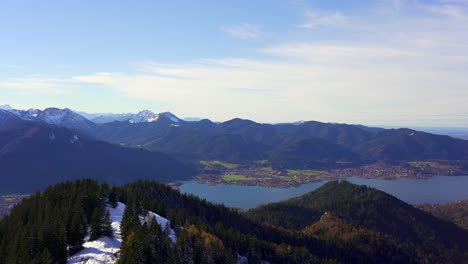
[
  {"x": 279, "y": 90},
  {"x": 314, "y": 19},
  {"x": 243, "y": 31},
  {"x": 384, "y": 68},
  {"x": 38, "y": 84}
]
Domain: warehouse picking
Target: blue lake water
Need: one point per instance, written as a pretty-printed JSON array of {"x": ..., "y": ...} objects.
[{"x": 438, "y": 189}]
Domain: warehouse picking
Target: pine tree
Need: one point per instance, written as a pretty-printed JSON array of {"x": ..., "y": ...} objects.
[
  {"x": 112, "y": 198},
  {"x": 96, "y": 224},
  {"x": 106, "y": 226},
  {"x": 76, "y": 233},
  {"x": 136, "y": 247},
  {"x": 44, "y": 258},
  {"x": 130, "y": 220}
]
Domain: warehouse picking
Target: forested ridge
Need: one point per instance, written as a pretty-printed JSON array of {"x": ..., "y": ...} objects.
[{"x": 49, "y": 227}]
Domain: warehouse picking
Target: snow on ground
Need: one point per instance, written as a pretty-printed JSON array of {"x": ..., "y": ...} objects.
[
  {"x": 245, "y": 260},
  {"x": 164, "y": 223},
  {"x": 103, "y": 250}
]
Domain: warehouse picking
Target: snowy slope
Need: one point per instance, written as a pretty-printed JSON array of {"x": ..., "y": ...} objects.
[
  {"x": 55, "y": 116},
  {"x": 144, "y": 116},
  {"x": 147, "y": 116},
  {"x": 163, "y": 222},
  {"x": 105, "y": 250}
]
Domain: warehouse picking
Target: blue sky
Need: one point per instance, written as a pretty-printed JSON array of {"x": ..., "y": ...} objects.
[{"x": 395, "y": 62}]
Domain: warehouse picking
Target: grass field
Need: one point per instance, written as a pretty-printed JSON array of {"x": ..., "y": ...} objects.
[
  {"x": 267, "y": 169},
  {"x": 310, "y": 173},
  {"x": 219, "y": 163},
  {"x": 235, "y": 177}
]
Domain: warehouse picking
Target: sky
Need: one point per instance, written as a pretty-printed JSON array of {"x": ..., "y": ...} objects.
[{"x": 372, "y": 62}]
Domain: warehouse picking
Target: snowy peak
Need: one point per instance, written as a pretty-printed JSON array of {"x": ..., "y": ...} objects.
[
  {"x": 56, "y": 116},
  {"x": 144, "y": 116},
  {"x": 147, "y": 116}
]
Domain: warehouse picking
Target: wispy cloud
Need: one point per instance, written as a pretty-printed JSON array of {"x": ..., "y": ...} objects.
[
  {"x": 451, "y": 11},
  {"x": 401, "y": 66},
  {"x": 316, "y": 19},
  {"x": 243, "y": 31},
  {"x": 37, "y": 85}
]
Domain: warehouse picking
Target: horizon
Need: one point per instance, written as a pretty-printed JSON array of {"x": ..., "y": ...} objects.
[
  {"x": 429, "y": 129},
  {"x": 398, "y": 63}
]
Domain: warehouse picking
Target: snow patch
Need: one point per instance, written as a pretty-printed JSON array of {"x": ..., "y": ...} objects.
[
  {"x": 74, "y": 139},
  {"x": 103, "y": 250},
  {"x": 163, "y": 222},
  {"x": 144, "y": 116},
  {"x": 242, "y": 259},
  {"x": 147, "y": 116}
]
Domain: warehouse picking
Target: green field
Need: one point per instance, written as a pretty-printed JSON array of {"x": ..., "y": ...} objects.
[
  {"x": 310, "y": 173},
  {"x": 235, "y": 177},
  {"x": 219, "y": 163},
  {"x": 267, "y": 169}
]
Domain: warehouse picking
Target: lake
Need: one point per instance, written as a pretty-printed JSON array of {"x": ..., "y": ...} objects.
[{"x": 438, "y": 189}]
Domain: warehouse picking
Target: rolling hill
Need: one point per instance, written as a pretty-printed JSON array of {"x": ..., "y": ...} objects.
[{"x": 375, "y": 213}]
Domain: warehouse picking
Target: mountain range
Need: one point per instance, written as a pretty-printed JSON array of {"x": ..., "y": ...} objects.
[
  {"x": 301, "y": 145},
  {"x": 34, "y": 155}
]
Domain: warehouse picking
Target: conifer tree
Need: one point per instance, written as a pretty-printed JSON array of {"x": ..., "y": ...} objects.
[
  {"x": 112, "y": 198},
  {"x": 44, "y": 258},
  {"x": 76, "y": 233},
  {"x": 130, "y": 220},
  {"x": 96, "y": 224},
  {"x": 106, "y": 225},
  {"x": 136, "y": 247}
]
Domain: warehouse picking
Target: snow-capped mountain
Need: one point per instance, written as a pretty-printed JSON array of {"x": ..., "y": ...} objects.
[
  {"x": 6, "y": 107},
  {"x": 147, "y": 116},
  {"x": 144, "y": 116},
  {"x": 55, "y": 116}
]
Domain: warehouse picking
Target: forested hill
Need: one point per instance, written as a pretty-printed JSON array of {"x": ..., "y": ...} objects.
[
  {"x": 34, "y": 156},
  {"x": 48, "y": 227},
  {"x": 377, "y": 214}
]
